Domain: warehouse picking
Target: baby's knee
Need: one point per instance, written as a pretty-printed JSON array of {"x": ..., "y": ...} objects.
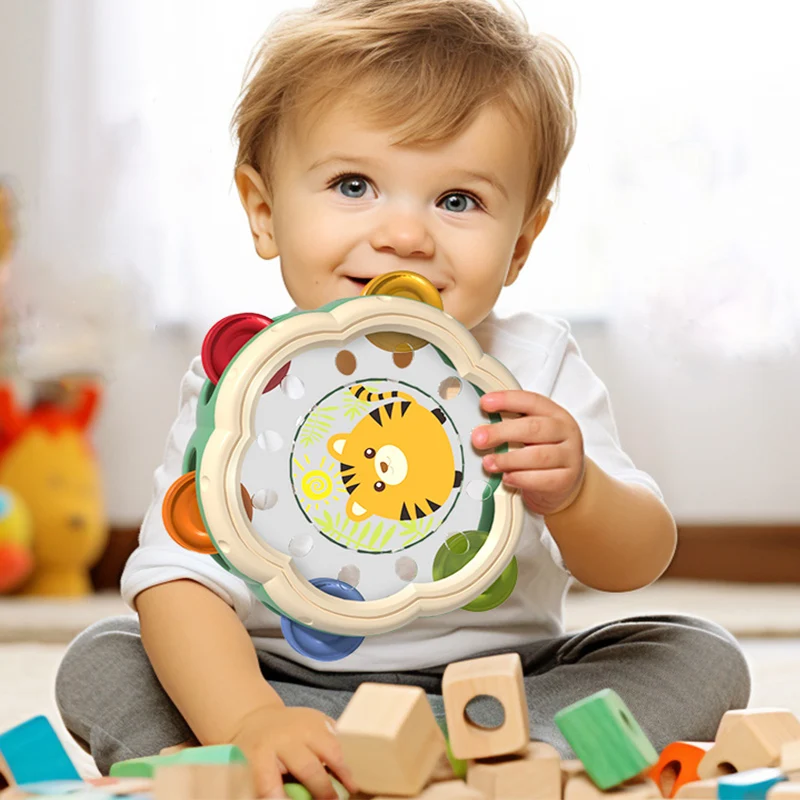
[
  {"x": 717, "y": 655},
  {"x": 95, "y": 664}
]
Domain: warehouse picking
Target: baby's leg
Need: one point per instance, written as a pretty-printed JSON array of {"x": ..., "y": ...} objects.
[
  {"x": 111, "y": 700},
  {"x": 677, "y": 674}
]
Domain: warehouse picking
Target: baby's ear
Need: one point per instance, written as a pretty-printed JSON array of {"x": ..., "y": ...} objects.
[
  {"x": 527, "y": 236},
  {"x": 258, "y": 207}
]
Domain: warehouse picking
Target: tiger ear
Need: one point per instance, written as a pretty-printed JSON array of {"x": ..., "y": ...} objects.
[
  {"x": 336, "y": 444},
  {"x": 356, "y": 512}
]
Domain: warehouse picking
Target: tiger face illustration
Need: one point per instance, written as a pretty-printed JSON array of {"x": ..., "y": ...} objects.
[{"x": 397, "y": 462}]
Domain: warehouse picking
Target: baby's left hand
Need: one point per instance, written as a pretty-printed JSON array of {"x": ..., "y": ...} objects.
[{"x": 549, "y": 469}]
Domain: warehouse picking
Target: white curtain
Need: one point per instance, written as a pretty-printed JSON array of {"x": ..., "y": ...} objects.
[{"x": 679, "y": 201}]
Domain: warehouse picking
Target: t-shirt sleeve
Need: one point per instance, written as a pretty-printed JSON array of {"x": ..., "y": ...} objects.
[
  {"x": 158, "y": 558},
  {"x": 581, "y": 392},
  {"x": 569, "y": 381}
]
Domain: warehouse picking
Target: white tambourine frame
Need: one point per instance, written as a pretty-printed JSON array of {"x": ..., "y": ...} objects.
[{"x": 220, "y": 469}]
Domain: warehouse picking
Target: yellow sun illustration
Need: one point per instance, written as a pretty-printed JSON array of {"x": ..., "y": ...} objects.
[{"x": 318, "y": 486}]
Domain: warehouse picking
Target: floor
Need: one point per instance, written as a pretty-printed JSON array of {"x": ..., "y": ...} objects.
[{"x": 34, "y": 635}]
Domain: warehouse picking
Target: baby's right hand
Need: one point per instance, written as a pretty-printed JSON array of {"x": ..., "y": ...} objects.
[{"x": 277, "y": 739}]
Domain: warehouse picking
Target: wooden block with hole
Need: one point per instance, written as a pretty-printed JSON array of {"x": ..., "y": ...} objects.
[
  {"x": 534, "y": 775},
  {"x": 698, "y": 790},
  {"x": 204, "y": 782},
  {"x": 677, "y": 765},
  {"x": 500, "y": 677},
  {"x": 747, "y": 739},
  {"x": 607, "y": 738},
  {"x": 390, "y": 739}
]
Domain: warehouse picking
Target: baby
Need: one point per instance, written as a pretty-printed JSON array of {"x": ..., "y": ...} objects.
[{"x": 423, "y": 135}]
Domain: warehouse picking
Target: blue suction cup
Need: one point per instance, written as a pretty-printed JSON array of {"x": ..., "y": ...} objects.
[{"x": 317, "y": 644}]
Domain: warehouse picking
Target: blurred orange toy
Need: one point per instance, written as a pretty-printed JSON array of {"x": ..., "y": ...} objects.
[
  {"x": 47, "y": 460},
  {"x": 16, "y": 541}
]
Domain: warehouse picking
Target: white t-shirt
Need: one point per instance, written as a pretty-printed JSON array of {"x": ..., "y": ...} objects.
[{"x": 544, "y": 357}]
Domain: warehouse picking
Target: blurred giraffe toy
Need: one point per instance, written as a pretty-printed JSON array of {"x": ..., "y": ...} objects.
[{"x": 48, "y": 462}]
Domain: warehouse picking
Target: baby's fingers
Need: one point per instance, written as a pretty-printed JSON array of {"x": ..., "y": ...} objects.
[
  {"x": 329, "y": 750},
  {"x": 267, "y": 775},
  {"x": 307, "y": 768}
]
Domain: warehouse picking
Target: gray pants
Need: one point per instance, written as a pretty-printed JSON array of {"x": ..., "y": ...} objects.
[{"x": 677, "y": 674}]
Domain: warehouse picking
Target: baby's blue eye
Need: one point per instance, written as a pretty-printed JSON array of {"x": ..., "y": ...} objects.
[
  {"x": 353, "y": 183},
  {"x": 459, "y": 205}
]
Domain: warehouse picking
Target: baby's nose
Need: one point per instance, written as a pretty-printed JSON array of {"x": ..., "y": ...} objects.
[{"x": 405, "y": 235}]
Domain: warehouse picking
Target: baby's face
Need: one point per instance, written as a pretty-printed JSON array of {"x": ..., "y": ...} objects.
[{"x": 347, "y": 205}]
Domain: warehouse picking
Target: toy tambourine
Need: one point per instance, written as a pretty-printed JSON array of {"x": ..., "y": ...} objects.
[{"x": 332, "y": 467}]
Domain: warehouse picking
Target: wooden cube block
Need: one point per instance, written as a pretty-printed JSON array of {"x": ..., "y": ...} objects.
[
  {"x": 677, "y": 765},
  {"x": 204, "y": 782},
  {"x": 535, "y": 775},
  {"x": 747, "y": 785},
  {"x": 390, "y": 739},
  {"x": 500, "y": 677},
  {"x": 747, "y": 739},
  {"x": 698, "y": 790},
  {"x": 606, "y": 738},
  {"x": 32, "y": 752}
]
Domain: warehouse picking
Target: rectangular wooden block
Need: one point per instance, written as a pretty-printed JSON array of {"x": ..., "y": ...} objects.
[
  {"x": 580, "y": 786},
  {"x": 698, "y": 790},
  {"x": 32, "y": 752},
  {"x": 790, "y": 757},
  {"x": 751, "y": 784},
  {"x": 606, "y": 738},
  {"x": 204, "y": 782},
  {"x": 536, "y": 775}
]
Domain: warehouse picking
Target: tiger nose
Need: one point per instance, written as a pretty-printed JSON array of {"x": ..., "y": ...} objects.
[{"x": 384, "y": 466}]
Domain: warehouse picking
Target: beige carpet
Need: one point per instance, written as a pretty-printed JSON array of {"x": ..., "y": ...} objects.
[{"x": 34, "y": 634}]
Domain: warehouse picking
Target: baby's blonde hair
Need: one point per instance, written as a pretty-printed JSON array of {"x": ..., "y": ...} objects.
[{"x": 424, "y": 68}]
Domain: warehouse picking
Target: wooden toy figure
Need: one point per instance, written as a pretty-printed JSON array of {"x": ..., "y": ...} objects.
[{"x": 332, "y": 467}]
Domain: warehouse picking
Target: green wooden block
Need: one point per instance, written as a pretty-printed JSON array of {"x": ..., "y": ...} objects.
[
  {"x": 146, "y": 767},
  {"x": 606, "y": 738}
]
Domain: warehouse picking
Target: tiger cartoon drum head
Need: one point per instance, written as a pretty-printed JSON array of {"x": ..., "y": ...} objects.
[{"x": 332, "y": 466}]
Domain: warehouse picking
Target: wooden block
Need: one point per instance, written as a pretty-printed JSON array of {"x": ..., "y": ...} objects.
[
  {"x": 749, "y": 785},
  {"x": 146, "y": 767},
  {"x": 569, "y": 768},
  {"x": 390, "y": 739},
  {"x": 446, "y": 790},
  {"x": 748, "y": 739},
  {"x": 677, "y": 765},
  {"x": 698, "y": 790},
  {"x": 204, "y": 782},
  {"x": 500, "y": 677},
  {"x": 581, "y": 787},
  {"x": 607, "y": 739},
  {"x": 790, "y": 757},
  {"x": 535, "y": 775},
  {"x": 785, "y": 791},
  {"x": 32, "y": 752}
]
